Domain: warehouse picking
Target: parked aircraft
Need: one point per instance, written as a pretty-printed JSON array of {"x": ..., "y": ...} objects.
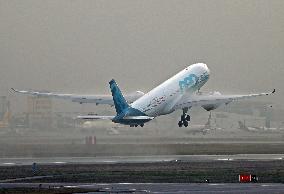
[
  {"x": 180, "y": 92},
  {"x": 108, "y": 126},
  {"x": 208, "y": 127},
  {"x": 243, "y": 126}
]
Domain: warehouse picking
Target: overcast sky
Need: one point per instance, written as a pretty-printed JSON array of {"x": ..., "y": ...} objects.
[{"x": 78, "y": 46}]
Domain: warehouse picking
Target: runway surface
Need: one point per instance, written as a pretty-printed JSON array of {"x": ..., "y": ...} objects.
[
  {"x": 165, "y": 188},
  {"x": 138, "y": 159}
]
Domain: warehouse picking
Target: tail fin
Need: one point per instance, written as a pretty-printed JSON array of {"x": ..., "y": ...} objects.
[{"x": 118, "y": 99}]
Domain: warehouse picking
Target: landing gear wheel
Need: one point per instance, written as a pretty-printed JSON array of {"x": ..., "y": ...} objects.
[
  {"x": 184, "y": 118},
  {"x": 142, "y": 125},
  {"x": 187, "y": 118},
  {"x": 136, "y": 125}
]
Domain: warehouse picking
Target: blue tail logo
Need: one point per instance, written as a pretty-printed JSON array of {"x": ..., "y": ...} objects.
[{"x": 118, "y": 99}]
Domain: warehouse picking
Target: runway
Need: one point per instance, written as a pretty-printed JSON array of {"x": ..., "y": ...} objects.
[
  {"x": 165, "y": 188},
  {"x": 138, "y": 159},
  {"x": 152, "y": 174}
]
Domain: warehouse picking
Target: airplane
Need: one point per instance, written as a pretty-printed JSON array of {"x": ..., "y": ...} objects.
[
  {"x": 180, "y": 92},
  {"x": 108, "y": 126},
  {"x": 208, "y": 127},
  {"x": 205, "y": 128},
  {"x": 244, "y": 127}
]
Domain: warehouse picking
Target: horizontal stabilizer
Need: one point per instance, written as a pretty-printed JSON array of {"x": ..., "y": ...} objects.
[
  {"x": 138, "y": 117},
  {"x": 95, "y": 117}
]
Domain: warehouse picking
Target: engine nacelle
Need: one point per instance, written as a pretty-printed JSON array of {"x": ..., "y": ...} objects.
[{"x": 210, "y": 107}]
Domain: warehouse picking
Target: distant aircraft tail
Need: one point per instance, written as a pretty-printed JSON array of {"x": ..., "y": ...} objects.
[{"x": 118, "y": 99}]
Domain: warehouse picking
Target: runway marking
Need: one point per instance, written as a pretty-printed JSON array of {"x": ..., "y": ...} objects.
[
  {"x": 109, "y": 161},
  {"x": 216, "y": 184},
  {"x": 59, "y": 162},
  {"x": 225, "y": 159},
  {"x": 266, "y": 185},
  {"x": 71, "y": 186},
  {"x": 90, "y": 185},
  {"x": 9, "y": 163}
]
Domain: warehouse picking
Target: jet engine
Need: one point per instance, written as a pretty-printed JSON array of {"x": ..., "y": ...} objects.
[{"x": 210, "y": 107}]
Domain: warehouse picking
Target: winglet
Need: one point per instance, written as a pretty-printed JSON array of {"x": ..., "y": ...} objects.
[{"x": 273, "y": 91}]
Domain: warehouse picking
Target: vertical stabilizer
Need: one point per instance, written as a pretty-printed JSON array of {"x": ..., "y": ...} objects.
[{"x": 118, "y": 99}]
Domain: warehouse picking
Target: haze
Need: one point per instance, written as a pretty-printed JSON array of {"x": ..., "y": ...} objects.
[{"x": 78, "y": 46}]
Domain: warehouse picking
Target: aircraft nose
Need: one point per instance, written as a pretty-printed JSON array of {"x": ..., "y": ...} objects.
[
  {"x": 204, "y": 65},
  {"x": 206, "y": 68}
]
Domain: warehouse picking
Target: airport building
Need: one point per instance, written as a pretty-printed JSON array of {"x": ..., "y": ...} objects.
[
  {"x": 40, "y": 112},
  {"x": 5, "y": 113}
]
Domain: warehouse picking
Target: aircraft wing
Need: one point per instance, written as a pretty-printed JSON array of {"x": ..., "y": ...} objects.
[
  {"x": 98, "y": 99},
  {"x": 212, "y": 101},
  {"x": 138, "y": 117}
]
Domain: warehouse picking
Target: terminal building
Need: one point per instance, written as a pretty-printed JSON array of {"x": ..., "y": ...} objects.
[
  {"x": 40, "y": 112},
  {"x": 5, "y": 114}
]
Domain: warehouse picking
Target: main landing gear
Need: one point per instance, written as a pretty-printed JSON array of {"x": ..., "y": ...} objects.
[{"x": 184, "y": 119}]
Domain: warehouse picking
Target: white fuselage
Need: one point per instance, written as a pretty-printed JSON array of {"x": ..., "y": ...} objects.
[{"x": 162, "y": 99}]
